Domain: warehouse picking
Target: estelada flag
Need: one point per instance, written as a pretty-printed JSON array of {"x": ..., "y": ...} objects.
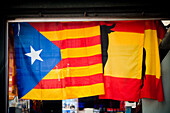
[
  {"x": 58, "y": 61},
  {"x": 129, "y": 49}
]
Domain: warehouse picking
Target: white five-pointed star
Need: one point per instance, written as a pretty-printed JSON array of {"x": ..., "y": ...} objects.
[{"x": 35, "y": 55}]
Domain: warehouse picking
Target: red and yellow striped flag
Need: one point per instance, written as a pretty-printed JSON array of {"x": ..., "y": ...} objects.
[
  {"x": 154, "y": 33},
  {"x": 11, "y": 67},
  {"x": 79, "y": 73},
  {"x": 123, "y": 69}
]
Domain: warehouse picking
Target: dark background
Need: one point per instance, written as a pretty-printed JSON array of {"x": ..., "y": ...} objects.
[{"x": 93, "y": 8}]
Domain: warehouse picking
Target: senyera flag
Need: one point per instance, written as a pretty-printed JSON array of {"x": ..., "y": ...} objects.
[
  {"x": 130, "y": 52},
  {"x": 58, "y": 61}
]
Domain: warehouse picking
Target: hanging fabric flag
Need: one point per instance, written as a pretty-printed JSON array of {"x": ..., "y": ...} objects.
[
  {"x": 154, "y": 33},
  {"x": 123, "y": 68},
  {"x": 125, "y": 45},
  {"x": 12, "y": 91},
  {"x": 58, "y": 61}
]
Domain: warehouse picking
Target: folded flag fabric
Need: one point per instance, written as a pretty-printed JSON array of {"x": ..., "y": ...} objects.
[
  {"x": 154, "y": 33},
  {"x": 123, "y": 68},
  {"x": 129, "y": 43},
  {"x": 12, "y": 91},
  {"x": 57, "y": 61}
]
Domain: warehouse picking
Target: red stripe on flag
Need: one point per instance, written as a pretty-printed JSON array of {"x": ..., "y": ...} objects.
[
  {"x": 124, "y": 89},
  {"x": 156, "y": 25},
  {"x": 75, "y": 43},
  {"x": 78, "y": 62},
  {"x": 152, "y": 88},
  {"x": 160, "y": 94},
  {"x": 161, "y": 30},
  {"x": 10, "y": 68},
  {"x": 56, "y": 26},
  {"x": 69, "y": 82},
  {"x": 10, "y": 85},
  {"x": 14, "y": 80},
  {"x": 150, "y": 24},
  {"x": 136, "y": 27}
]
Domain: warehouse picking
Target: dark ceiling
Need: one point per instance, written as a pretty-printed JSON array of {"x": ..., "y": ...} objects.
[{"x": 90, "y": 8}]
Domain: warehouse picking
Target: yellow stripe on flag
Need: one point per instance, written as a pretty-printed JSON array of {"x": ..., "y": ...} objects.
[
  {"x": 72, "y": 33},
  {"x": 65, "y": 93},
  {"x": 125, "y": 52},
  {"x": 152, "y": 53},
  {"x": 74, "y": 72},
  {"x": 81, "y": 52}
]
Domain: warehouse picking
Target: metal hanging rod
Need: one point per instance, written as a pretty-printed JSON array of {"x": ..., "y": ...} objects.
[{"x": 76, "y": 19}]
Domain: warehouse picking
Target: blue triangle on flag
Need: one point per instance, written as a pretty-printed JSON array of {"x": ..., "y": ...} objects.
[{"x": 31, "y": 68}]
